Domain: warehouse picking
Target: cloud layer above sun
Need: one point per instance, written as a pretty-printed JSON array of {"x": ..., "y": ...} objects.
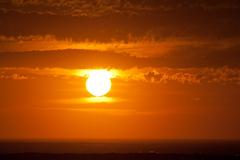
[
  {"x": 222, "y": 75},
  {"x": 152, "y": 41}
]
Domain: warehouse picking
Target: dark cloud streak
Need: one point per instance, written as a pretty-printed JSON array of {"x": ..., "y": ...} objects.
[
  {"x": 85, "y": 59},
  {"x": 219, "y": 19}
]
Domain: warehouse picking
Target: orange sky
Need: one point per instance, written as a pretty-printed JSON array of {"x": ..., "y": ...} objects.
[{"x": 175, "y": 65}]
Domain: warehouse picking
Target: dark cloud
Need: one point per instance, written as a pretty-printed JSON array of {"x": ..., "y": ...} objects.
[
  {"x": 93, "y": 8},
  {"x": 139, "y": 47},
  {"x": 107, "y": 7},
  {"x": 182, "y": 58},
  {"x": 117, "y": 19}
]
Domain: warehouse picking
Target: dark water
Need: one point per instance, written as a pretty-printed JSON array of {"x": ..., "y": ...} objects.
[
  {"x": 121, "y": 150},
  {"x": 122, "y": 147}
]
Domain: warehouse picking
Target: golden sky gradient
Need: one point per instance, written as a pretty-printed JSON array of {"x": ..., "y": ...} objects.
[{"x": 174, "y": 65}]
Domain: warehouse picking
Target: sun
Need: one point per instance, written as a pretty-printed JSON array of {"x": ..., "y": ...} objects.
[{"x": 99, "y": 82}]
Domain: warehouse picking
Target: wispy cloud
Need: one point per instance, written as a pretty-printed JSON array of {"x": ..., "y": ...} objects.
[
  {"x": 13, "y": 76},
  {"x": 223, "y": 75},
  {"x": 76, "y": 7},
  {"x": 106, "y": 7},
  {"x": 139, "y": 47}
]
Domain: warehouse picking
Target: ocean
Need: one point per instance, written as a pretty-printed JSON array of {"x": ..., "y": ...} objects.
[{"x": 175, "y": 149}]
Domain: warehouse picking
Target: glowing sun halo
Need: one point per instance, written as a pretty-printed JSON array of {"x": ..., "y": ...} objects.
[{"x": 98, "y": 82}]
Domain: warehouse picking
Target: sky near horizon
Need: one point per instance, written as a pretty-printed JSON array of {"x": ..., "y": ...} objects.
[{"x": 175, "y": 69}]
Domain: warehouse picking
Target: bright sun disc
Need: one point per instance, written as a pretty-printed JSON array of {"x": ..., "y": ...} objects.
[{"x": 98, "y": 82}]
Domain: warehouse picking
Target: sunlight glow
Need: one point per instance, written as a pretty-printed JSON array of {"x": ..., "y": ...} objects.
[
  {"x": 98, "y": 82},
  {"x": 102, "y": 99}
]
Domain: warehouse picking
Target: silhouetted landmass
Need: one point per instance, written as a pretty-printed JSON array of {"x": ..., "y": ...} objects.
[
  {"x": 101, "y": 150},
  {"x": 118, "y": 156}
]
